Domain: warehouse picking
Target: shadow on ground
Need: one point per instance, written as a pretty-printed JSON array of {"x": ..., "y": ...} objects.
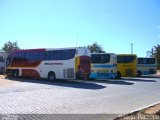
[
  {"x": 138, "y": 80},
  {"x": 150, "y": 76},
  {"x": 115, "y": 82},
  {"x": 64, "y": 83}
]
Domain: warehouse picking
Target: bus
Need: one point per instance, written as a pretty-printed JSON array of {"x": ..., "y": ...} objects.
[
  {"x": 126, "y": 65},
  {"x": 146, "y": 66},
  {"x": 3, "y": 57},
  {"x": 60, "y": 63},
  {"x": 103, "y": 65}
]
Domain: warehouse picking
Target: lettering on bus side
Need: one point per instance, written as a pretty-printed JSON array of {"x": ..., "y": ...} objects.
[{"x": 53, "y": 63}]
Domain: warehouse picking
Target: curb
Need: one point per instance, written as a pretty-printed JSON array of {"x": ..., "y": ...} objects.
[{"x": 136, "y": 111}]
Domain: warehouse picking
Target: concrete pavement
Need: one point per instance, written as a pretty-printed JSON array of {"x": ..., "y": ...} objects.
[{"x": 79, "y": 97}]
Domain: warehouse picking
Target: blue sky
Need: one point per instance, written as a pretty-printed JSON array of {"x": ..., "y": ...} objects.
[{"x": 114, "y": 24}]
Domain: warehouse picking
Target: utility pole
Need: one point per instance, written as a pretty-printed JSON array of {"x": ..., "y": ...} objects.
[{"x": 131, "y": 48}]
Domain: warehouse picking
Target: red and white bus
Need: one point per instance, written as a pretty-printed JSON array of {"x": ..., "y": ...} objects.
[{"x": 60, "y": 63}]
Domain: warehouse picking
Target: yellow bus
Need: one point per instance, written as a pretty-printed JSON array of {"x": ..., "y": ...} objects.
[{"x": 126, "y": 65}]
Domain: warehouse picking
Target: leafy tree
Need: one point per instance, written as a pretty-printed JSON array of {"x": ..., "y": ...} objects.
[
  {"x": 10, "y": 46},
  {"x": 95, "y": 48},
  {"x": 150, "y": 53},
  {"x": 155, "y": 52}
]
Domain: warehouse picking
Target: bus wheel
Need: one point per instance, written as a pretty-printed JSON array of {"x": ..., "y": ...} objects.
[
  {"x": 118, "y": 75},
  {"x": 138, "y": 73},
  {"x": 51, "y": 76}
]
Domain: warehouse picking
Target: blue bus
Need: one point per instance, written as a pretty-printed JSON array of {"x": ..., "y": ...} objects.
[{"x": 146, "y": 66}]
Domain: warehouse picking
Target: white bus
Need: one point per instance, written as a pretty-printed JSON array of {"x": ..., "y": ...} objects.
[
  {"x": 62, "y": 63},
  {"x": 146, "y": 66},
  {"x": 3, "y": 57},
  {"x": 103, "y": 65}
]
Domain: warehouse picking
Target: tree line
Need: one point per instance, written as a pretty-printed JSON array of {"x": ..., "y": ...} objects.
[{"x": 11, "y": 46}]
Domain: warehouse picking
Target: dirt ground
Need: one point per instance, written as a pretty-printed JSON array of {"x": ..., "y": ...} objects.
[
  {"x": 5, "y": 82},
  {"x": 150, "y": 113}
]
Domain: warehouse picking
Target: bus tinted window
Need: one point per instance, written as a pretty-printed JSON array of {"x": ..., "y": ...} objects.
[
  {"x": 125, "y": 59},
  {"x": 146, "y": 61},
  {"x": 60, "y": 54},
  {"x": 100, "y": 58},
  {"x": 68, "y": 54},
  {"x": 35, "y": 55},
  {"x": 19, "y": 56},
  {"x": 28, "y": 55}
]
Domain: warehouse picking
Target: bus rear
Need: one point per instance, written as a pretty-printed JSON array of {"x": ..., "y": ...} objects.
[
  {"x": 82, "y": 63},
  {"x": 127, "y": 65},
  {"x": 146, "y": 66},
  {"x": 103, "y": 65}
]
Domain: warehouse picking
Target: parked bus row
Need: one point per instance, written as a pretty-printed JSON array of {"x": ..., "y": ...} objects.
[
  {"x": 76, "y": 63},
  {"x": 109, "y": 65}
]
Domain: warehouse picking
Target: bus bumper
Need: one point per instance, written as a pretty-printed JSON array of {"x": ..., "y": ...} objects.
[
  {"x": 148, "y": 72},
  {"x": 102, "y": 75}
]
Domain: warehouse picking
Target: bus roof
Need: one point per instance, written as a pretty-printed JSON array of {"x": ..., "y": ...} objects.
[{"x": 48, "y": 49}]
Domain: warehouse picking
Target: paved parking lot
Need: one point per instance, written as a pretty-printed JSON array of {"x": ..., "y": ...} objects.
[{"x": 27, "y": 96}]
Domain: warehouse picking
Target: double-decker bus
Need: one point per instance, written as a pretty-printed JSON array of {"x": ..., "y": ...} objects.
[
  {"x": 62, "y": 63},
  {"x": 126, "y": 65},
  {"x": 146, "y": 66},
  {"x": 103, "y": 65}
]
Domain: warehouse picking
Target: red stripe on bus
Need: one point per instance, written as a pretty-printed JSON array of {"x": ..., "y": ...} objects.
[
  {"x": 30, "y": 73},
  {"x": 30, "y": 63}
]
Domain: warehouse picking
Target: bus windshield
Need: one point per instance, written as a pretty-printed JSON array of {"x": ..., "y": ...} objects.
[
  {"x": 146, "y": 60},
  {"x": 9, "y": 58},
  {"x": 100, "y": 58},
  {"x": 125, "y": 59}
]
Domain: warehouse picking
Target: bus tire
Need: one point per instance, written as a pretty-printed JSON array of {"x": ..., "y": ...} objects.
[
  {"x": 51, "y": 76},
  {"x": 118, "y": 75},
  {"x": 15, "y": 73},
  {"x": 139, "y": 73}
]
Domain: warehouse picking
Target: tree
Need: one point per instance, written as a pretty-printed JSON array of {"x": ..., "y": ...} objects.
[
  {"x": 10, "y": 46},
  {"x": 95, "y": 48},
  {"x": 155, "y": 52},
  {"x": 150, "y": 53}
]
